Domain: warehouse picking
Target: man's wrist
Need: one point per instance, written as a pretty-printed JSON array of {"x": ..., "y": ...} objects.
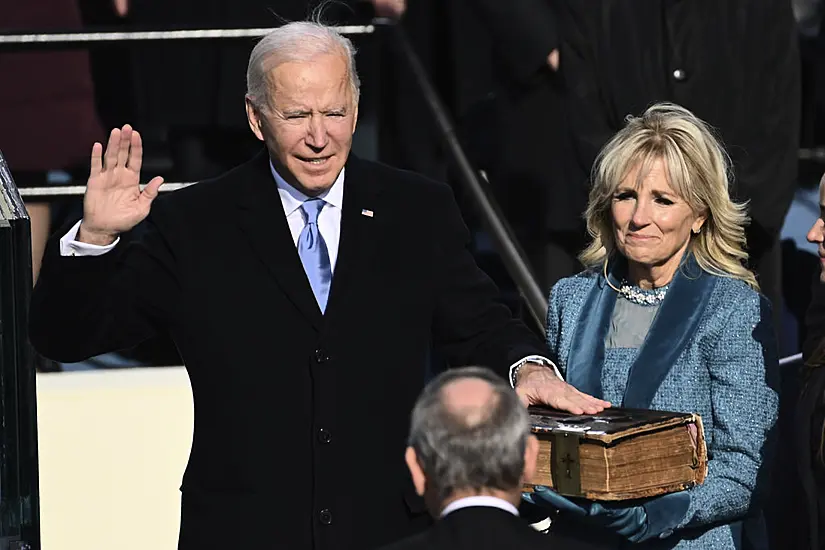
[
  {"x": 530, "y": 363},
  {"x": 84, "y": 235},
  {"x": 525, "y": 370}
]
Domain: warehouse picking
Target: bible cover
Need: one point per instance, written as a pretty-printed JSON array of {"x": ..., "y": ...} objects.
[{"x": 618, "y": 454}]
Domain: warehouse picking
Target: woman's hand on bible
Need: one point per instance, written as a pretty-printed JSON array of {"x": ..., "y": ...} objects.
[
  {"x": 539, "y": 385},
  {"x": 114, "y": 202}
]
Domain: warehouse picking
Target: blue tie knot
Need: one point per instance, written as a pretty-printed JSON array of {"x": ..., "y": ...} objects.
[{"x": 311, "y": 209}]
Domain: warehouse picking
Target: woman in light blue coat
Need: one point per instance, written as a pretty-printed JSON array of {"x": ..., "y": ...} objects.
[{"x": 668, "y": 318}]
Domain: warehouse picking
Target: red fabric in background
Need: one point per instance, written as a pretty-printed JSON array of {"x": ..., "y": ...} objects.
[{"x": 47, "y": 111}]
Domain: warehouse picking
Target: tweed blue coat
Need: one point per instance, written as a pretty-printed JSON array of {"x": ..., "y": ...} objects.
[{"x": 710, "y": 350}]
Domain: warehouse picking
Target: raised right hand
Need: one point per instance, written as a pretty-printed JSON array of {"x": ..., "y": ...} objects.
[{"x": 114, "y": 202}]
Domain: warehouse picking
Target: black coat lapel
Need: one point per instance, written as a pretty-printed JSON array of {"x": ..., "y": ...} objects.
[
  {"x": 261, "y": 216},
  {"x": 674, "y": 325},
  {"x": 360, "y": 217}
]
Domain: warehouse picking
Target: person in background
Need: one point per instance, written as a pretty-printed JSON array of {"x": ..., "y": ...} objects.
[
  {"x": 470, "y": 452},
  {"x": 809, "y": 422},
  {"x": 735, "y": 64},
  {"x": 519, "y": 132}
]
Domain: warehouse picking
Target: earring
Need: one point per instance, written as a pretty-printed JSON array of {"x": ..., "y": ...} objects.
[{"x": 696, "y": 231}]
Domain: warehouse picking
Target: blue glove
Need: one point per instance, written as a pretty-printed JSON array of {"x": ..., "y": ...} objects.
[{"x": 656, "y": 518}]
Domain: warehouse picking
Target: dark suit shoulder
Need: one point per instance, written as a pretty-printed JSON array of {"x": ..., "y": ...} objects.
[
  {"x": 475, "y": 528},
  {"x": 213, "y": 191},
  {"x": 396, "y": 180},
  {"x": 421, "y": 540}
]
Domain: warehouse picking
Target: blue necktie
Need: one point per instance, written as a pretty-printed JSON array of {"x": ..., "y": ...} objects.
[{"x": 313, "y": 252}]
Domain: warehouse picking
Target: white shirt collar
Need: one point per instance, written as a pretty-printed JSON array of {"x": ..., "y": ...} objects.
[
  {"x": 483, "y": 500},
  {"x": 292, "y": 199}
]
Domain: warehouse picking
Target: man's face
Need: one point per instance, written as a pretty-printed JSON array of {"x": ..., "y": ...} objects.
[
  {"x": 816, "y": 235},
  {"x": 308, "y": 123}
]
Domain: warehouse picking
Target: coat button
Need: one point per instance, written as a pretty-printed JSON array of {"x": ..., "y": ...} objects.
[
  {"x": 679, "y": 75},
  {"x": 324, "y": 436},
  {"x": 325, "y": 516},
  {"x": 321, "y": 355}
]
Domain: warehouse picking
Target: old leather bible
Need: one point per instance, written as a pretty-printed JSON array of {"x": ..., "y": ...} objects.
[{"x": 618, "y": 454}]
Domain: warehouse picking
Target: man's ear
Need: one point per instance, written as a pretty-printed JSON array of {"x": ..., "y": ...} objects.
[
  {"x": 253, "y": 116},
  {"x": 531, "y": 454},
  {"x": 355, "y": 118},
  {"x": 418, "y": 477}
]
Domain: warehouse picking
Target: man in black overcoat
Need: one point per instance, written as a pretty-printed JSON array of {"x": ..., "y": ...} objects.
[{"x": 304, "y": 291}]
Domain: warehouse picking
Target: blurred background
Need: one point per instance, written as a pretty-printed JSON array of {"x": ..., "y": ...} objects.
[{"x": 518, "y": 113}]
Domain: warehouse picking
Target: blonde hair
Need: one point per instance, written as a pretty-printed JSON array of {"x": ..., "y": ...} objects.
[{"x": 697, "y": 169}]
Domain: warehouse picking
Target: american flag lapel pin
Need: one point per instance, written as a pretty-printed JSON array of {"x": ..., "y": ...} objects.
[{"x": 367, "y": 213}]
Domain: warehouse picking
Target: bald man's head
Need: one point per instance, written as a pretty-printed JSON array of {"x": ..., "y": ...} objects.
[
  {"x": 469, "y": 434},
  {"x": 469, "y": 400}
]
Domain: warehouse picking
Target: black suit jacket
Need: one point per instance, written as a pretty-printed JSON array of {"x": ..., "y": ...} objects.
[
  {"x": 477, "y": 528},
  {"x": 617, "y": 58},
  {"x": 808, "y": 428},
  {"x": 300, "y": 418},
  {"x": 518, "y": 134}
]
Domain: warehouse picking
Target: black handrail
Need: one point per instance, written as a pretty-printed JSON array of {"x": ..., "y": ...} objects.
[{"x": 502, "y": 235}]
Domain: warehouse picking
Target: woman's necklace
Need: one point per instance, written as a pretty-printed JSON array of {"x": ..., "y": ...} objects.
[{"x": 641, "y": 296}]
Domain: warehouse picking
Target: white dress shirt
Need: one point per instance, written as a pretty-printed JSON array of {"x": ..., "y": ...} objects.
[
  {"x": 329, "y": 224},
  {"x": 329, "y": 220},
  {"x": 483, "y": 500}
]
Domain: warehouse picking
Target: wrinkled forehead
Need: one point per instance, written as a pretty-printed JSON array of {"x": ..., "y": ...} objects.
[{"x": 322, "y": 81}]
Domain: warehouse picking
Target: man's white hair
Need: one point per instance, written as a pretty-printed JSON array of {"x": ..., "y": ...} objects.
[{"x": 296, "y": 42}]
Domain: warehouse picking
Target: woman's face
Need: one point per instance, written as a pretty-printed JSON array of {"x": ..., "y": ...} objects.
[{"x": 652, "y": 224}]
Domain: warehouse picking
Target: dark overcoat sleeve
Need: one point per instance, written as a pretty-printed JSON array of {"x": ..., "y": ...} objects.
[
  {"x": 86, "y": 306},
  {"x": 524, "y": 33},
  {"x": 587, "y": 102},
  {"x": 470, "y": 325},
  {"x": 766, "y": 174}
]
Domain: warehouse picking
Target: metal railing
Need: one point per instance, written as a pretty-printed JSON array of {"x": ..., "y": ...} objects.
[
  {"x": 501, "y": 234},
  {"x": 790, "y": 360},
  {"x": 79, "y": 190},
  {"x": 62, "y": 40},
  {"x": 816, "y": 154}
]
